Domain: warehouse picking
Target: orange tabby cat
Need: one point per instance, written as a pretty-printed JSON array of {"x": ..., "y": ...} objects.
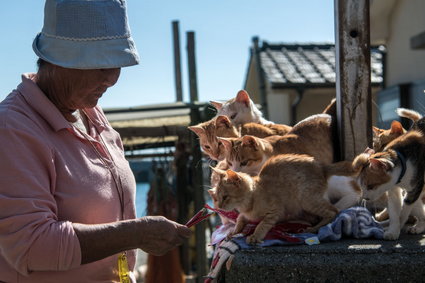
[
  {"x": 208, "y": 132},
  {"x": 312, "y": 136},
  {"x": 248, "y": 154},
  {"x": 221, "y": 126},
  {"x": 288, "y": 187},
  {"x": 382, "y": 137}
]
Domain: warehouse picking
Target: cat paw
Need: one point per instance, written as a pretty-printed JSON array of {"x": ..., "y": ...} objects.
[
  {"x": 233, "y": 235},
  {"x": 229, "y": 236},
  {"x": 253, "y": 239},
  {"x": 419, "y": 228},
  {"x": 391, "y": 235}
]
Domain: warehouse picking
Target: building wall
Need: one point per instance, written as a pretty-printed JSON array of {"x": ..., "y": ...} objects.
[
  {"x": 279, "y": 104},
  {"x": 251, "y": 84},
  {"x": 404, "y": 64},
  {"x": 314, "y": 101}
]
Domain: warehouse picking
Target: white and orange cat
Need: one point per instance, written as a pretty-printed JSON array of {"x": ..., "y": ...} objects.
[
  {"x": 241, "y": 110},
  {"x": 401, "y": 164},
  {"x": 288, "y": 187},
  {"x": 381, "y": 138}
]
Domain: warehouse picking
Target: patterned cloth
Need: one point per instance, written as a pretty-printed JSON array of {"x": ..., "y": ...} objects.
[{"x": 355, "y": 222}]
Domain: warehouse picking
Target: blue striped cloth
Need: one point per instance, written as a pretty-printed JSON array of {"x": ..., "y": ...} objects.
[{"x": 356, "y": 222}]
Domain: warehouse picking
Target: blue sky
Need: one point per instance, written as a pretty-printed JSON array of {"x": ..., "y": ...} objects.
[{"x": 223, "y": 33}]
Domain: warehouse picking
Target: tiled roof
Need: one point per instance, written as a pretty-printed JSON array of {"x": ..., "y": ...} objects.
[{"x": 314, "y": 64}]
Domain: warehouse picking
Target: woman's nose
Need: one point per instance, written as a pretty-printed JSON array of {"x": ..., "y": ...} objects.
[{"x": 111, "y": 76}]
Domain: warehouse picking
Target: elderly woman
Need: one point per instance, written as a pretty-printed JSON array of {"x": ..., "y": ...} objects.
[{"x": 66, "y": 191}]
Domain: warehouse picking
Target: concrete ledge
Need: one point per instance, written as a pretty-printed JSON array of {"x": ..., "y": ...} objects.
[{"x": 347, "y": 260}]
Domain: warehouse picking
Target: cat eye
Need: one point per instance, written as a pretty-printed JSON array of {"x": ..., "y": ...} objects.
[
  {"x": 207, "y": 147},
  {"x": 244, "y": 163},
  {"x": 233, "y": 116},
  {"x": 224, "y": 198},
  {"x": 370, "y": 187}
]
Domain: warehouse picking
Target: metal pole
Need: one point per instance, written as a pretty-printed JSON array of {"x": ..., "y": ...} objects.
[
  {"x": 196, "y": 164},
  {"x": 177, "y": 65},
  {"x": 353, "y": 92}
]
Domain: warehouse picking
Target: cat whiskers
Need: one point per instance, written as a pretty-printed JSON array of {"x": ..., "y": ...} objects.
[{"x": 208, "y": 187}]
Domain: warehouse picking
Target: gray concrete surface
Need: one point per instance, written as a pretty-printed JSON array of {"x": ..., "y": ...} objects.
[{"x": 347, "y": 260}]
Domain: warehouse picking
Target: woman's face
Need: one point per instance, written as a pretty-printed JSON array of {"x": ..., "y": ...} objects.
[{"x": 89, "y": 86}]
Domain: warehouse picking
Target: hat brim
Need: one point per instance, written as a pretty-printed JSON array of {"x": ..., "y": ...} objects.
[{"x": 98, "y": 54}]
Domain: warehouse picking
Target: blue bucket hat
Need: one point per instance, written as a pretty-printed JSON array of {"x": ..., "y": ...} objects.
[{"x": 86, "y": 34}]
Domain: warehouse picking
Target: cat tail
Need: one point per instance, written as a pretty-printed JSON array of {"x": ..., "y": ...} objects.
[
  {"x": 418, "y": 119},
  {"x": 342, "y": 168},
  {"x": 331, "y": 108},
  {"x": 409, "y": 114}
]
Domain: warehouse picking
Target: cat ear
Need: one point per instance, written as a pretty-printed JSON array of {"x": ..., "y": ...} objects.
[
  {"x": 218, "y": 171},
  {"x": 376, "y": 131},
  {"x": 249, "y": 141},
  {"x": 217, "y": 105},
  {"x": 243, "y": 97},
  {"x": 397, "y": 128},
  {"x": 361, "y": 161},
  {"x": 197, "y": 130},
  {"x": 232, "y": 176},
  {"x": 380, "y": 164},
  {"x": 369, "y": 151},
  {"x": 223, "y": 120},
  {"x": 227, "y": 143}
]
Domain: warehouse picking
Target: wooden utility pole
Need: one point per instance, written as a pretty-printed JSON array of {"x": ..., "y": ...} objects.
[
  {"x": 177, "y": 65},
  {"x": 196, "y": 165},
  {"x": 260, "y": 76},
  {"x": 352, "y": 67}
]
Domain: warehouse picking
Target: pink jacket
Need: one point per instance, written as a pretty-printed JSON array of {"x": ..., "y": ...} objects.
[{"x": 51, "y": 176}]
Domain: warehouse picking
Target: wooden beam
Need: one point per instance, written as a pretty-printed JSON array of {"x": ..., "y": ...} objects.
[
  {"x": 260, "y": 76},
  {"x": 160, "y": 131},
  {"x": 352, "y": 67},
  {"x": 196, "y": 162},
  {"x": 191, "y": 62},
  {"x": 177, "y": 65}
]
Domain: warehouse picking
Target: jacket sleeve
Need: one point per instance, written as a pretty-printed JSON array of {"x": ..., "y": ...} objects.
[{"x": 31, "y": 237}]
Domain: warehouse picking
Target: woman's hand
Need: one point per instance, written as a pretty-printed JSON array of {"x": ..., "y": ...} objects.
[
  {"x": 159, "y": 235},
  {"x": 153, "y": 234}
]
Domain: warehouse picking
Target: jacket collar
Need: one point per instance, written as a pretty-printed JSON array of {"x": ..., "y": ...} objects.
[{"x": 46, "y": 109}]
